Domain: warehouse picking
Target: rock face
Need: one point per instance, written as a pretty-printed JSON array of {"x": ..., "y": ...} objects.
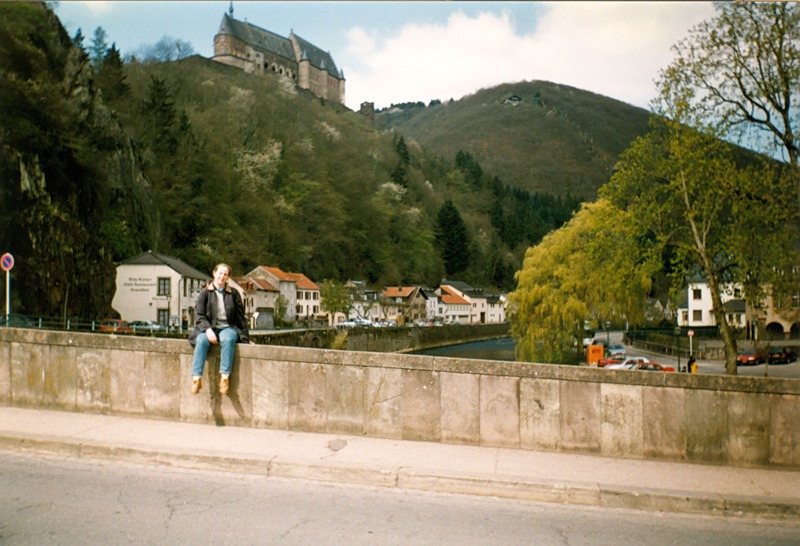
[{"x": 76, "y": 192}]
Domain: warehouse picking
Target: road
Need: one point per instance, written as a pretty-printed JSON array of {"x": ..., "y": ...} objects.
[
  {"x": 56, "y": 500},
  {"x": 716, "y": 366}
]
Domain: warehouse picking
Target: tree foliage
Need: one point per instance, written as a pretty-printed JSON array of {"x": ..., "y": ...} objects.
[
  {"x": 452, "y": 239},
  {"x": 738, "y": 75},
  {"x": 335, "y": 297},
  {"x": 63, "y": 161},
  {"x": 724, "y": 221},
  {"x": 595, "y": 268}
]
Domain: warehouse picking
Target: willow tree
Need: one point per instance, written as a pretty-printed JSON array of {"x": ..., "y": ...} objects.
[
  {"x": 720, "y": 210},
  {"x": 595, "y": 268}
]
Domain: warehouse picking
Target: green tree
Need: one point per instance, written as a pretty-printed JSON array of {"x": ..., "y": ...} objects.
[
  {"x": 725, "y": 222},
  {"x": 99, "y": 47},
  {"x": 452, "y": 239},
  {"x": 335, "y": 298},
  {"x": 111, "y": 77},
  {"x": 594, "y": 268},
  {"x": 738, "y": 75}
]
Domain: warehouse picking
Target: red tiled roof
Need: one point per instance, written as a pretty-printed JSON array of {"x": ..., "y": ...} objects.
[
  {"x": 450, "y": 297},
  {"x": 398, "y": 291},
  {"x": 298, "y": 278}
]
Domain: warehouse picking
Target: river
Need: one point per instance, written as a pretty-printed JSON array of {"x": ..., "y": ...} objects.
[{"x": 493, "y": 349}]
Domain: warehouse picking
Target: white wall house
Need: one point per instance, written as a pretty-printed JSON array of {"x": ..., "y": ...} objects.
[
  {"x": 484, "y": 307},
  {"x": 698, "y": 313},
  {"x": 453, "y": 308},
  {"x": 301, "y": 294},
  {"x": 158, "y": 287}
]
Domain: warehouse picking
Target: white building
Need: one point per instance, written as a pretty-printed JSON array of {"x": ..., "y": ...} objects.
[
  {"x": 299, "y": 293},
  {"x": 158, "y": 287},
  {"x": 698, "y": 310},
  {"x": 485, "y": 308}
]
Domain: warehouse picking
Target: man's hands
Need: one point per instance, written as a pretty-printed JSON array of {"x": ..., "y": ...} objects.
[{"x": 212, "y": 337}]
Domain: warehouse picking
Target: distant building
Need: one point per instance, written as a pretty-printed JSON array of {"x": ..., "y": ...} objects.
[
  {"x": 299, "y": 293},
  {"x": 259, "y": 51},
  {"x": 158, "y": 287},
  {"x": 697, "y": 311}
]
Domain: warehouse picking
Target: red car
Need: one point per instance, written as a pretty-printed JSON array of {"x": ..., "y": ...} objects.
[
  {"x": 655, "y": 367},
  {"x": 115, "y": 325},
  {"x": 613, "y": 359},
  {"x": 750, "y": 357}
]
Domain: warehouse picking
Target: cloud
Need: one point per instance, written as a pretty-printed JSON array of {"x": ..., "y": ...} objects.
[
  {"x": 98, "y": 7},
  {"x": 615, "y": 49}
]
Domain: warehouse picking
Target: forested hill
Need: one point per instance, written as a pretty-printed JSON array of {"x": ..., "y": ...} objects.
[
  {"x": 102, "y": 160},
  {"x": 537, "y": 135}
]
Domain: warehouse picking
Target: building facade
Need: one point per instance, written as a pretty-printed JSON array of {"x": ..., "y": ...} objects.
[
  {"x": 158, "y": 287},
  {"x": 259, "y": 51}
]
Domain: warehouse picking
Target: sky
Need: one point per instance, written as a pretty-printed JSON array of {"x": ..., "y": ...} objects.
[{"x": 394, "y": 52}]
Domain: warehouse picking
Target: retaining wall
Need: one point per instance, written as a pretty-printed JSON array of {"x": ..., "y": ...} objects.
[{"x": 744, "y": 421}]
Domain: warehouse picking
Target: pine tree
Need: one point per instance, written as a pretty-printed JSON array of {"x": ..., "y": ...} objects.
[{"x": 452, "y": 239}]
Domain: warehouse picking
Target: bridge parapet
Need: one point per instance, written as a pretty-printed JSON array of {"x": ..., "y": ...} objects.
[{"x": 745, "y": 421}]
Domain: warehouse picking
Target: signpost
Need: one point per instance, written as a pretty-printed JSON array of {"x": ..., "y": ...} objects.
[{"x": 7, "y": 262}]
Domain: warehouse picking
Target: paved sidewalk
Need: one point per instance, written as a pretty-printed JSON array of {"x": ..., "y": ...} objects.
[{"x": 509, "y": 473}]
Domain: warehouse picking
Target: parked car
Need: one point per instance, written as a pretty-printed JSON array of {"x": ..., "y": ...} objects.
[
  {"x": 345, "y": 324},
  {"x": 614, "y": 359},
  {"x": 146, "y": 326},
  {"x": 785, "y": 355},
  {"x": 629, "y": 363},
  {"x": 114, "y": 325},
  {"x": 654, "y": 367},
  {"x": 616, "y": 349},
  {"x": 750, "y": 357}
]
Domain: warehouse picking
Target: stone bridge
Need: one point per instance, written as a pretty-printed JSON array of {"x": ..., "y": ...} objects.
[{"x": 745, "y": 421}]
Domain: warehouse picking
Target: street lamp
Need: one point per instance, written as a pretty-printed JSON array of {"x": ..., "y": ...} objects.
[
  {"x": 678, "y": 337},
  {"x": 608, "y": 336}
]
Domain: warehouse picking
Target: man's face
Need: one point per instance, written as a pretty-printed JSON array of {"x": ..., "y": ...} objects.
[{"x": 221, "y": 276}]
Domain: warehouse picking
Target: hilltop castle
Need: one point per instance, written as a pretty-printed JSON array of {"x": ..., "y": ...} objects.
[{"x": 259, "y": 51}]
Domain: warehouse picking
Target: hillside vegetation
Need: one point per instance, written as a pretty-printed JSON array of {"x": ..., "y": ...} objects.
[
  {"x": 104, "y": 160},
  {"x": 555, "y": 139}
]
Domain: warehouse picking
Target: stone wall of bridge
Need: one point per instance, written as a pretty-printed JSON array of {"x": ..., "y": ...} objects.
[{"x": 744, "y": 421}]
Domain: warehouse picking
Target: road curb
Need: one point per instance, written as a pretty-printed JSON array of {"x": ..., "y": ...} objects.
[{"x": 519, "y": 488}]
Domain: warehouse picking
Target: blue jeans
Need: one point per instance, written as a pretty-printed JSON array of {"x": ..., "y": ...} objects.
[{"x": 227, "y": 338}]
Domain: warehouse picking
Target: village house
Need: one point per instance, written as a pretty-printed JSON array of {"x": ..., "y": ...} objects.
[
  {"x": 484, "y": 307},
  {"x": 366, "y": 303},
  {"x": 697, "y": 310},
  {"x": 259, "y": 297},
  {"x": 406, "y": 304},
  {"x": 453, "y": 308},
  {"x": 256, "y": 50},
  {"x": 299, "y": 294},
  {"x": 158, "y": 288}
]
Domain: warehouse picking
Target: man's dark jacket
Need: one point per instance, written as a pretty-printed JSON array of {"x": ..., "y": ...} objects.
[{"x": 205, "y": 309}]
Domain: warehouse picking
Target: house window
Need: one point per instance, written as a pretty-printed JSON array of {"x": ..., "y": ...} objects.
[
  {"x": 796, "y": 299},
  {"x": 697, "y": 315},
  {"x": 163, "y": 316},
  {"x": 697, "y": 294},
  {"x": 163, "y": 286},
  {"x": 685, "y": 317}
]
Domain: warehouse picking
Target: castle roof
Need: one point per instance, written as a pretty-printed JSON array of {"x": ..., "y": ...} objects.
[
  {"x": 263, "y": 39},
  {"x": 256, "y": 36},
  {"x": 317, "y": 57}
]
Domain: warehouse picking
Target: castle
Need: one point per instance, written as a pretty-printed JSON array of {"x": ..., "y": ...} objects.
[{"x": 260, "y": 51}]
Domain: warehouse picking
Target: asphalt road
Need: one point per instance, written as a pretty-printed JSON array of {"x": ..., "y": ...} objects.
[
  {"x": 54, "y": 500},
  {"x": 716, "y": 366}
]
